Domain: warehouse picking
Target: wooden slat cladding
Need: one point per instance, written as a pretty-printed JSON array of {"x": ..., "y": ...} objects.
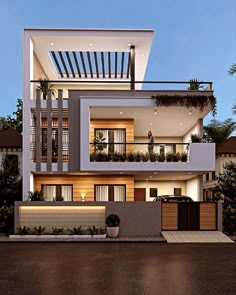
[
  {"x": 85, "y": 184},
  {"x": 62, "y": 217},
  {"x": 169, "y": 216},
  {"x": 110, "y": 124},
  {"x": 208, "y": 216}
]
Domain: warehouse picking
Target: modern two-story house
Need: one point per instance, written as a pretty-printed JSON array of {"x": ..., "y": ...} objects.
[{"x": 85, "y": 136}]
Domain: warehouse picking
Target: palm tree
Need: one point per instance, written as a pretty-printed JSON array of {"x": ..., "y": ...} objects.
[
  {"x": 218, "y": 132},
  {"x": 234, "y": 109},
  {"x": 232, "y": 69}
]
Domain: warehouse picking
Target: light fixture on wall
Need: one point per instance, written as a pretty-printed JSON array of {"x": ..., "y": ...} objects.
[{"x": 83, "y": 195}]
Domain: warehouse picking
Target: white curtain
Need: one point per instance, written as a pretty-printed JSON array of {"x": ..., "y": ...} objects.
[
  {"x": 119, "y": 136},
  {"x": 49, "y": 192},
  {"x": 101, "y": 193},
  {"x": 119, "y": 193},
  {"x": 66, "y": 192}
]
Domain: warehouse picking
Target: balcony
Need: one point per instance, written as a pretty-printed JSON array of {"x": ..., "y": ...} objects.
[
  {"x": 137, "y": 152},
  {"x": 166, "y": 157}
]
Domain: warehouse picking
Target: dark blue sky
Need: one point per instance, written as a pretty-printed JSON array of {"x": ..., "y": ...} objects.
[{"x": 193, "y": 39}]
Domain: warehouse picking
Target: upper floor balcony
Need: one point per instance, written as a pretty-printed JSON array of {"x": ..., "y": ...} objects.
[{"x": 165, "y": 157}]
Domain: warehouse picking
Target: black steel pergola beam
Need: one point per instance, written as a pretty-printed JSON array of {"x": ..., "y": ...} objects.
[
  {"x": 132, "y": 67},
  {"x": 63, "y": 63},
  {"x": 122, "y": 64},
  {"x": 103, "y": 65},
  {"x": 71, "y": 67},
  {"x": 83, "y": 63},
  {"x": 76, "y": 63},
  {"x": 90, "y": 64},
  {"x": 57, "y": 63},
  {"x": 96, "y": 63}
]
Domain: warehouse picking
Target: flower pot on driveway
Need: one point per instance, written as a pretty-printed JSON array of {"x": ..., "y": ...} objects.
[{"x": 112, "y": 232}]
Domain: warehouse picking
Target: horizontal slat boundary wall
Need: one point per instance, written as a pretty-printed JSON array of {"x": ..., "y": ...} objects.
[
  {"x": 85, "y": 184},
  {"x": 208, "y": 216},
  {"x": 116, "y": 123},
  {"x": 61, "y": 217},
  {"x": 169, "y": 216}
]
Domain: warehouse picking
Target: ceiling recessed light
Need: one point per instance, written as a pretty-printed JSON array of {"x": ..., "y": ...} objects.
[
  {"x": 174, "y": 132},
  {"x": 150, "y": 123},
  {"x": 181, "y": 124},
  {"x": 91, "y": 44},
  {"x": 121, "y": 113},
  {"x": 190, "y": 113},
  {"x": 52, "y": 43},
  {"x": 155, "y": 112},
  {"x": 129, "y": 44},
  {"x": 143, "y": 54}
]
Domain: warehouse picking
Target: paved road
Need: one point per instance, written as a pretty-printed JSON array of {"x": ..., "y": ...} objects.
[{"x": 117, "y": 269}]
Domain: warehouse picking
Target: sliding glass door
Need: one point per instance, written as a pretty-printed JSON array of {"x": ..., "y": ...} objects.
[{"x": 115, "y": 139}]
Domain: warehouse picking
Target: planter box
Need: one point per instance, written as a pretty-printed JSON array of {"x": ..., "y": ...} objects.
[{"x": 57, "y": 236}]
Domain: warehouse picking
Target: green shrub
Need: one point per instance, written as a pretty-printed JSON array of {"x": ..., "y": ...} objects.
[
  {"x": 229, "y": 221},
  {"x": 36, "y": 196},
  {"x": 113, "y": 220},
  {"x": 38, "y": 230},
  {"x": 23, "y": 230},
  {"x": 76, "y": 230},
  {"x": 7, "y": 219},
  {"x": 57, "y": 231}
]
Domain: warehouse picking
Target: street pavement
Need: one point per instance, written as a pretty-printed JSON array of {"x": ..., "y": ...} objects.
[{"x": 117, "y": 269}]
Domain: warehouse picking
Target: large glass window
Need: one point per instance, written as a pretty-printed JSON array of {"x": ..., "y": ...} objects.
[
  {"x": 53, "y": 192},
  {"x": 111, "y": 137},
  {"x": 109, "y": 192}
]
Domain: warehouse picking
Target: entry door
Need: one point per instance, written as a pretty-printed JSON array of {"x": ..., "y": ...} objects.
[
  {"x": 140, "y": 194},
  {"x": 188, "y": 216},
  {"x": 177, "y": 191}
]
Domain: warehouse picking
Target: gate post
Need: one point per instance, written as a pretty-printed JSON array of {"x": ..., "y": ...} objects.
[{"x": 219, "y": 215}]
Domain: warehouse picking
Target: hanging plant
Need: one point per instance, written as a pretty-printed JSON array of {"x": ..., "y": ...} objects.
[{"x": 188, "y": 101}]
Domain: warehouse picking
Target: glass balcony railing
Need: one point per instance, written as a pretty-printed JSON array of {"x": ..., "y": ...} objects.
[{"x": 138, "y": 152}]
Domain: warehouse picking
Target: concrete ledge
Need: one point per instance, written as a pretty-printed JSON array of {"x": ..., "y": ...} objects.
[{"x": 158, "y": 239}]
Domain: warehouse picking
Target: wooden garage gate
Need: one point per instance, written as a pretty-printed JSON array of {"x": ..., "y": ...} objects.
[{"x": 189, "y": 216}]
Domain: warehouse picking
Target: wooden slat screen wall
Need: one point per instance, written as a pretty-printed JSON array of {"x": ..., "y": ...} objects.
[
  {"x": 208, "y": 216},
  {"x": 85, "y": 184},
  {"x": 117, "y": 123},
  {"x": 169, "y": 216},
  {"x": 62, "y": 217}
]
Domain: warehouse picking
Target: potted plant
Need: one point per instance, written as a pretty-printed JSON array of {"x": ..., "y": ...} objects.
[
  {"x": 99, "y": 142},
  {"x": 36, "y": 196},
  {"x": 45, "y": 86},
  {"x": 194, "y": 84},
  {"x": 113, "y": 223},
  {"x": 161, "y": 157},
  {"x": 130, "y": 157},
  {"x": 152, "y": 157},
  {"x": 184, "y": 157},
  {"x": 169, "y": 157},
  {"x": 195, "y": 138},
  {"x": 138, "y": 157}
]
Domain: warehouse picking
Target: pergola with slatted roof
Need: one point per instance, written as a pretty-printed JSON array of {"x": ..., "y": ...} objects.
[{"x": 93, "y": 55}]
